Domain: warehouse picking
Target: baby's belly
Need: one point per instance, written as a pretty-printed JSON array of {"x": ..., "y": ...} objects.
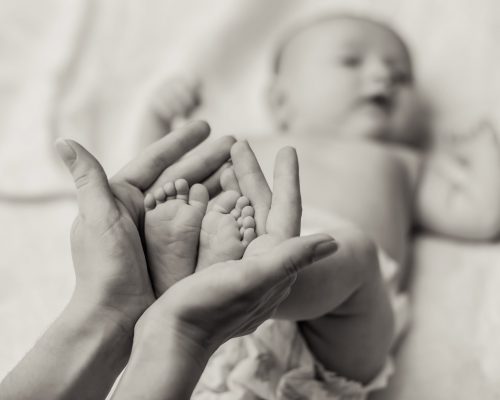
[{"x": 363, "y": 183}]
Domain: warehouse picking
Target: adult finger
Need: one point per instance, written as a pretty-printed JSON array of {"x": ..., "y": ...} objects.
[
  {"x": 95, "y": 200},
  {"x": 290, "y": 257},
  {"x": 228, "y": 180},
  {"x": 214, "y": 182},
  {"x": 155, "y": 158},
  {"x": 252, "y": 182},
  {"x": 198, "y": 165},
  {"x": 286, "y": 206}
]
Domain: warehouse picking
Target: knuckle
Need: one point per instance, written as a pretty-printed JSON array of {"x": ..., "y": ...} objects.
[
  {"x": 291, "y": 267},
  {"x": 82, "y": 180}
]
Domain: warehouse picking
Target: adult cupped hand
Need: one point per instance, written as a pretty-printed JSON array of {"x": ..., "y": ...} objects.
[
  {"x": 110, "y": 266},
  {"x": 233, "y": 298}
]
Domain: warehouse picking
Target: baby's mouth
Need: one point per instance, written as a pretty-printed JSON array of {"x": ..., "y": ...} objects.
[{"x": 380, "y": 101}]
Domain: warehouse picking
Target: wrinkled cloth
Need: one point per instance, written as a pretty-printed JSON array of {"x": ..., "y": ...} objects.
[{"x": 274, "y": 363}]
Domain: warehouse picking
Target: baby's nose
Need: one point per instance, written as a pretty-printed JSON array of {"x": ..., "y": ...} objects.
[{"x": 378, "y": 73}]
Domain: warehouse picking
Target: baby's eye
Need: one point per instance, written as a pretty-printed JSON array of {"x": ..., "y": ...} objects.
[
  {"x": 401, "y": 77},
  {"x": 350, "y": 60}
]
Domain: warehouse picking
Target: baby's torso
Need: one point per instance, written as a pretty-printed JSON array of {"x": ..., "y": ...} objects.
[{"x": 367, "y": 183}]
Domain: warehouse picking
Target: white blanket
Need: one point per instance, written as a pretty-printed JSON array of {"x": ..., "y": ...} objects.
[{"x": 83, "y": 68}]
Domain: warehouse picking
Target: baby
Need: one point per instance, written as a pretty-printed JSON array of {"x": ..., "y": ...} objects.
[{"x": 343, "y": 94}]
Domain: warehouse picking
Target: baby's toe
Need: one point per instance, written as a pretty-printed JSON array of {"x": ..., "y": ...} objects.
[
  {"x": 242, "y": 203},
  {"x": 247, "y": 211},
  {"x": 182, "y": 189},
  {"x": 159, "y": 195},
  {"x": 225, "y": 202},
  {"x": 248, "y": 222},
  {"x": 170, "y": 190},
  {"x": 235, "y": 213},
  {"x": 248, "y": 235},
  {"x": 198, "y": 197},
  {"x": 149, "y": 202}
]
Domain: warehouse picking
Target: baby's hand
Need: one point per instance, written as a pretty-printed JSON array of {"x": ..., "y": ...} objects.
[
  {"x": 459, "y": 195},
  {"x": 172, "y": 102},
  {"x": 176, "y": 98}
]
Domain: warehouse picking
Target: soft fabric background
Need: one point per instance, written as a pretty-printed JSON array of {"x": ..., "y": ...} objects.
[{"x": 83, "y": 69}]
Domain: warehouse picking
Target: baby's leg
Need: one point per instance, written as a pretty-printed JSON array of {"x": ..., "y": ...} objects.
[
  {"x": 340, "y": 303},
  {"x": 172, "y": 228},
  {"x": 226, "y": 230},
  {"x": 343, "y": 308}
]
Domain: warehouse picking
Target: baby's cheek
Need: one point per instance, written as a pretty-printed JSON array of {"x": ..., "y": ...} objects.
[{"x": 410, "y": 121}]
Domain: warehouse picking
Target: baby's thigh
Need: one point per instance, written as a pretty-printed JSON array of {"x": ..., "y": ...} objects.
[{"x": 361, "y": 327}]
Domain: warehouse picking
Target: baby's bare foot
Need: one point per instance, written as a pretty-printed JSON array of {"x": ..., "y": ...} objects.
[
  {"x": 172, "y": 229},
  {"x": 226, "y": 230}
]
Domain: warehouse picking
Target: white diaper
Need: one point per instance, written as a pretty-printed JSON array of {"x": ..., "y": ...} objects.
[
  {"x": 399, "y": 300},
  {"x": 274, "y": 363}
]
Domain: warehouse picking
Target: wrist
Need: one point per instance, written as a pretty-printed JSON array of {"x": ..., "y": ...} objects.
[
  {"x": 156, "y": 335},
  {"x": 120, "y": 317},
  {"x": 165, "y": 363},
  {"x": 106, "y": 328}
]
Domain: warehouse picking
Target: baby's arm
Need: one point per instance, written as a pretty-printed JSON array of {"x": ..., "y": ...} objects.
[{"x": 459, "y": 192}]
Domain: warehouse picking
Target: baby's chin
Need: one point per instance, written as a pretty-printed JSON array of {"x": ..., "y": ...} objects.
[
  {"x": 359, "y": 127},
  {"x": 366, "y": 127}
]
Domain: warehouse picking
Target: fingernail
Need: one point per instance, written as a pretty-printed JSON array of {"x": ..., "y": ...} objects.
[
  {"x": 65, "y": 150},
  {"x": 324, "y": 249}
]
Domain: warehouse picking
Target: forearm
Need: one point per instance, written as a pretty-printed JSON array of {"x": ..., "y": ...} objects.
[
  {"x": 79, "y": 356},
  {"x": 163, "y": 365}
]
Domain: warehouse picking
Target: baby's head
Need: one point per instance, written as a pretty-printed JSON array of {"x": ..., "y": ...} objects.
[{"x": 346, "y": 76}]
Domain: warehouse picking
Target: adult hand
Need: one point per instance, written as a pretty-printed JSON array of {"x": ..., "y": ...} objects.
[
  {"x": 277, "y": 213},
  {"x": 82, "y": 352},
  {"x": 109, "y": 261},
  {"x": 177, "y": 335},
  {"x": 233, "y": 298}
]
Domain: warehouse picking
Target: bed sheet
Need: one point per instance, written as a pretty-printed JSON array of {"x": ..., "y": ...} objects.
[{"x": 83, "y": 69}]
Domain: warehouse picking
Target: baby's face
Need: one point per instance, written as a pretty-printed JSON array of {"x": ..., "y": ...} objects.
[{"x": 345, "y": 76}]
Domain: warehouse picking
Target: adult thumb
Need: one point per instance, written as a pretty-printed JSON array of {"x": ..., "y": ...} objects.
[
  {"x": 95, "y": 199},
  {"x": 291, "y": 256}
]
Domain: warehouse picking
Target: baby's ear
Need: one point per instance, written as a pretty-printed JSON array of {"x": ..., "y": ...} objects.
[{"x": 277, "y": 101}]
